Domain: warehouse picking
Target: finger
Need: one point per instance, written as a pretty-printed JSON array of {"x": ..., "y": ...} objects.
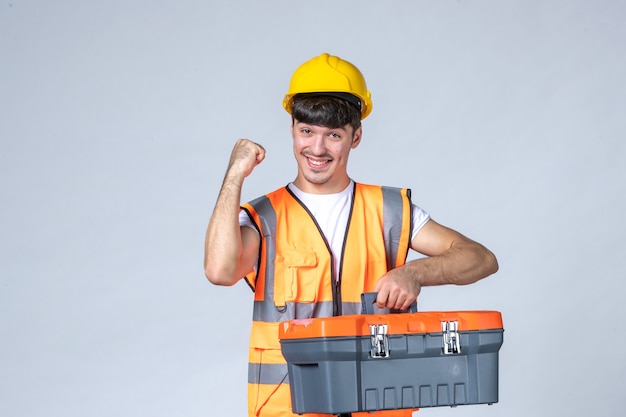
[
  {"x": 260, "y": 155},
  {"x": 400, "y": 302},
  {"x": 407, "y": 304},
  {"x": 381, "y": 299},
  {"x": 392, "y": 300}
]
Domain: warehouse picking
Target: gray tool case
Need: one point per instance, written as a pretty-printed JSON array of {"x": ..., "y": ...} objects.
[{"x": 376, "y": 362}]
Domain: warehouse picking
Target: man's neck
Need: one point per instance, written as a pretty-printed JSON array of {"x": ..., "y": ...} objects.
[
  {"x": 326, "y": 188},
  {"x": 293, "y": 185}
]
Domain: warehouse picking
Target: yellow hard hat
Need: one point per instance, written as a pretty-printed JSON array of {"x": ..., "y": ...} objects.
[{"x": 330, "y": 74}]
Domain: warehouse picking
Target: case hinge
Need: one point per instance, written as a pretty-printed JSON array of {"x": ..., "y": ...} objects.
[
  {"x": 379, "y": 341},
  {"x": 451, "y": 339}
]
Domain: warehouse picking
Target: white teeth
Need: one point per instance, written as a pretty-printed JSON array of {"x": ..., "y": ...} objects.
[{"x": 317, "y": 162}]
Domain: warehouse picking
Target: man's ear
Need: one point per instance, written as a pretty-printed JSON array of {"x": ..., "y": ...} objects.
[{"x": 356, "y": 137}]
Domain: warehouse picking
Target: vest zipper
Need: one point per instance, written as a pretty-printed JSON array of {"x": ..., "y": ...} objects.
[
  {"x": 338, "y": 304},
  {"x": 336, "y": 288}
]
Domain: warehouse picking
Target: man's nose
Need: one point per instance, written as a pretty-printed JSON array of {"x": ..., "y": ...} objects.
[{"x": 319, "y": 145}]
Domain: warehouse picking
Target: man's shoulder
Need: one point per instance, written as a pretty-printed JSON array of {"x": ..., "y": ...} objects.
[{"x": 270, "y": 195}]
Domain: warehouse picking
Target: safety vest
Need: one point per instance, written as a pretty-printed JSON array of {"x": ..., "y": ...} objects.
[{"x": 295, "y": 270}]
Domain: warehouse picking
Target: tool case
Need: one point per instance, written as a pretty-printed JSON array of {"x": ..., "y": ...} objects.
[{"x": 373, "y": 362}]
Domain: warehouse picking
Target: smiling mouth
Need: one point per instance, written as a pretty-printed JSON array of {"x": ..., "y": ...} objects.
[{"x": 317, "y": 163}]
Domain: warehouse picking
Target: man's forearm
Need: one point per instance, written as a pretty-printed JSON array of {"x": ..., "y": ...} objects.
[{"x": 464, "y": 263}]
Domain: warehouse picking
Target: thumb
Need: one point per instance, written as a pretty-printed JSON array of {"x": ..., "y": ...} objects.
[{"x": 260, "y": 154}]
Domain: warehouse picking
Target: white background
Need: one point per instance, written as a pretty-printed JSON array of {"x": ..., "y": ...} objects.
[{"x": 506, "y": 118}]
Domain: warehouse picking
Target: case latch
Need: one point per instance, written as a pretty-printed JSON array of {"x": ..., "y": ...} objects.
[
  {"x": 451, "y": 339},
  {"x": 379, "y": 341}
]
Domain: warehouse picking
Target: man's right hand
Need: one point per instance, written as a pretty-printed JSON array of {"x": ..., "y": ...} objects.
[{"x": 246, "y": 155}]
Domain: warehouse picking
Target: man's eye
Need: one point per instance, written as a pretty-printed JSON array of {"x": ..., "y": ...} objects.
[
  {"x": 335, "y": 135},
  {"x": 306, "y": 131}
]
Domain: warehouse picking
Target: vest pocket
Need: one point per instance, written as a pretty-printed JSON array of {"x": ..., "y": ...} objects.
[{"x": 295, "y": 279}]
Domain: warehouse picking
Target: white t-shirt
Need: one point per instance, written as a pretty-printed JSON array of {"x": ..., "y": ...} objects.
[{"x": 331, "y": 212}]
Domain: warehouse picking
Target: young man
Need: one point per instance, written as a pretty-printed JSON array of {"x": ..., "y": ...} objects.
[{"x": 311, "y": 248}]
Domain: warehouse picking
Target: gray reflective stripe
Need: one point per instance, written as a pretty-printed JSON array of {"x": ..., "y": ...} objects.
[
  {"x": 267, "y": 373},
  {"x": 350, "y": 308},
  {"x": 268, "y": 312},
  {"x": 267, "y": 216},
  {"x": 392, "y": 223}
]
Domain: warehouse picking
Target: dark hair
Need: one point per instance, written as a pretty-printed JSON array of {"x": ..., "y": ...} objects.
[{"x": 323, "y": 110}]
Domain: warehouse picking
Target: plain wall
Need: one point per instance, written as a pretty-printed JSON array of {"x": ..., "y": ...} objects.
[{"x": 506, "y": 119}]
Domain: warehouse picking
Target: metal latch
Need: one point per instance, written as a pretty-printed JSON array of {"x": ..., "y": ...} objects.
[
  {"x": 379, "y": 341},
  {"x": 451, "y": 339}
]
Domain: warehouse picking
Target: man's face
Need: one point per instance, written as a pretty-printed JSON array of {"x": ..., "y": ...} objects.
[{"x": 322, "y": 156}]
